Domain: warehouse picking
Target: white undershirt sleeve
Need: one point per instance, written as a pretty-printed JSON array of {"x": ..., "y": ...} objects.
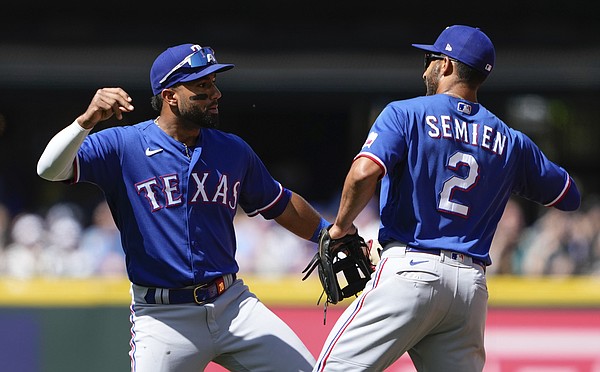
[{"x": 56, "y": 162}]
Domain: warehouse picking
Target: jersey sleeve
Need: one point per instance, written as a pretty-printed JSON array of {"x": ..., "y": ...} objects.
[
  {"x": 98, "y": 159},
  {"x": 543, "y": 181},
  {"x": 261, "y": 193},
  {"x": 385, "y": 143}
]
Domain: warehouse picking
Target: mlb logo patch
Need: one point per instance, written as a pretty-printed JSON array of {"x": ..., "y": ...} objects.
[
  {"x": 464, "y": 108},
  {"x": 458, "y": 256}
]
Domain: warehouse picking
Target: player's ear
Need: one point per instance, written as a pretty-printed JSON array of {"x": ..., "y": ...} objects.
[
  {"x": 168, "y": 96},
  {"x": 447, "y": 67}
]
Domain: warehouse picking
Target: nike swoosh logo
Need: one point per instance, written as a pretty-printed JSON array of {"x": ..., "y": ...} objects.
[
  {"x": 152, "y": 152},
  {"x": 413, "y": 262}
]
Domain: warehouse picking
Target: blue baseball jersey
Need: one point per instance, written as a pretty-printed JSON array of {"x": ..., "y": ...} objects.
[
  {"x": 449, "y": 167},
  {"x": 174, "y": 205}
]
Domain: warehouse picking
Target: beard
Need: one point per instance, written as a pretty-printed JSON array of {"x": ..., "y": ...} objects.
[
  {"x": 203, "y": 119},
  {"x": 432, "y": 81}
]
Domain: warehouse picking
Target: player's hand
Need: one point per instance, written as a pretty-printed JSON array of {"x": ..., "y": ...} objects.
[
  {"x": 106, "y": 103},
  {"x": 336, "y": 232}
]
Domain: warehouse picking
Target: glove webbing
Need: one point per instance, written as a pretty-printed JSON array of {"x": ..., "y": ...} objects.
[
  {"x": 348, "y": 265},
  {"x": 314, "y": 263}
]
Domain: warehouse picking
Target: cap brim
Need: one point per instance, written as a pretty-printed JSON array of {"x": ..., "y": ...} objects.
[
  {"x": 426, "y": 47},
  {"x": 217, "y": 67}
]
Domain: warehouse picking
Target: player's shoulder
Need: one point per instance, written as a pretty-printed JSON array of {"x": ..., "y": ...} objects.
[
  {"x": 221, "y": 138},
  {"x": 407, "y": 102},
  {"x": 123, "y": 133},
  {"x": 414, "y": 103},
  {"x": 142, "y": 126},
  {"x": 422, "y": 99},
  {"x": 222, "y": 135},
  {"x": 125, "y": 128},
  {"x": 405, "y": 109}
]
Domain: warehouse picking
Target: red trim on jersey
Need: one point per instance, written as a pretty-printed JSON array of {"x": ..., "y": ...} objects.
[
  {"x": 375, "y": 159},
  {"x": 562, "y": 195},
  {"x": 75, "y": 170},
  {"x": 282, "y": 192}
]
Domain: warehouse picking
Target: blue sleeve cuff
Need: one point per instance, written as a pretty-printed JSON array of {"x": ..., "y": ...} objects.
[
  {"x": 278, "y": 207},
  {"x": 315, "y": 237}
]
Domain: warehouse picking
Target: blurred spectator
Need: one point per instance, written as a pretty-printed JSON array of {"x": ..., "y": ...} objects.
[
  {"x": 65, "y": 209},
  {"x": 506, "y": 239},
  {"x": 266, "y": 249},
  {"x": 249, "y": 234},
  {"x": 101, "y": 242},
  {"x": 536, "y": 249},
  {"x": 281, "y": 253},
  {"x": 5, "y": 221},
  {"x": 545, "y": 245},
  {"x": 558, "y": 244},
  {"x": 61, "y": 256},
  {"x": 22, "y": 259},
  {"x": 367, "y": 221},
  {"x": 594, "y": 217},
  {"x": 580, "y": 235}
]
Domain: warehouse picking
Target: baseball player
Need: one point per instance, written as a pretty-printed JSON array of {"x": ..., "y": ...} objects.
[
  {"x": 173, "y": 184},
  {"x": 447, "y": 168}
]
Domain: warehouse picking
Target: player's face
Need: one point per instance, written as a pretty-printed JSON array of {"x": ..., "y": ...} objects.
[{"x": 199, "y": 102}]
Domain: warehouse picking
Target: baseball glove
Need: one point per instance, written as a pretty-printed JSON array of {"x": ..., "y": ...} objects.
[{"x": 343, "y": 264}]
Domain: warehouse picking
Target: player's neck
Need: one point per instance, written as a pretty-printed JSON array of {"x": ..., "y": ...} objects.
[
  {"x": 470, "y": 98},
  {"x": 188, "y": 137},
  {"x": 460, "y": 91}
]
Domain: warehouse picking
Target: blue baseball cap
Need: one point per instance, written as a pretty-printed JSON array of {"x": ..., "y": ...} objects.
[
  {"x": 181, "y": 63},
  {"x": 466, "y": 44}
]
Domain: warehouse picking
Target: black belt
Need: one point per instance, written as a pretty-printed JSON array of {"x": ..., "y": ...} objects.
[
  {"x": 200, "y": 294},
  {"x": 438, "y": 252}
]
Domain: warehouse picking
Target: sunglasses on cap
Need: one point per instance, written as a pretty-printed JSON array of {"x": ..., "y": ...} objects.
[
  {"x": 429, "y": 57},
  {"x": 199, "y": 58}
]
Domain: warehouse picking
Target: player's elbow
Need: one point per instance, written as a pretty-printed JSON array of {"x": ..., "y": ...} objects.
[
  {"x": 49, "y": 173},
  {"x": 364, "y": 170},
  {"x": 43, "y": 170}
]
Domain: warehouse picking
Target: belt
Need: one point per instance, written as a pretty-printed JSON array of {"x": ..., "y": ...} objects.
[
  {"x": 200, "y": 294},
  {"x": 453, "y": 255}
]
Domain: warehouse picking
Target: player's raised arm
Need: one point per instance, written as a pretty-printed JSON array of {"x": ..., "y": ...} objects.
[{"x": 56, "y": 162}]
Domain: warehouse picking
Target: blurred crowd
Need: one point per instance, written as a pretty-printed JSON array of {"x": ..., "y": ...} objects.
[
  {"x": 555, "y": 243},
  {"x": 58, "y": 243}
]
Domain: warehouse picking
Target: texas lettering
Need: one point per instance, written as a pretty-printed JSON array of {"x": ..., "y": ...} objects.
[{"x": 165, "y": 191}]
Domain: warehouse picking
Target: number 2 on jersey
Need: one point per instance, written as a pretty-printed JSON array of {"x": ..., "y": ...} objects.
[{"x": 456, "y": 183}]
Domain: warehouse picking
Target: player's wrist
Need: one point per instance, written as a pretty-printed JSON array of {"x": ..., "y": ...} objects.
[
  {"x": 79, "y": 127},
  {"x": 322, "y": 224},
  {"x": 85, "y": 122}
]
